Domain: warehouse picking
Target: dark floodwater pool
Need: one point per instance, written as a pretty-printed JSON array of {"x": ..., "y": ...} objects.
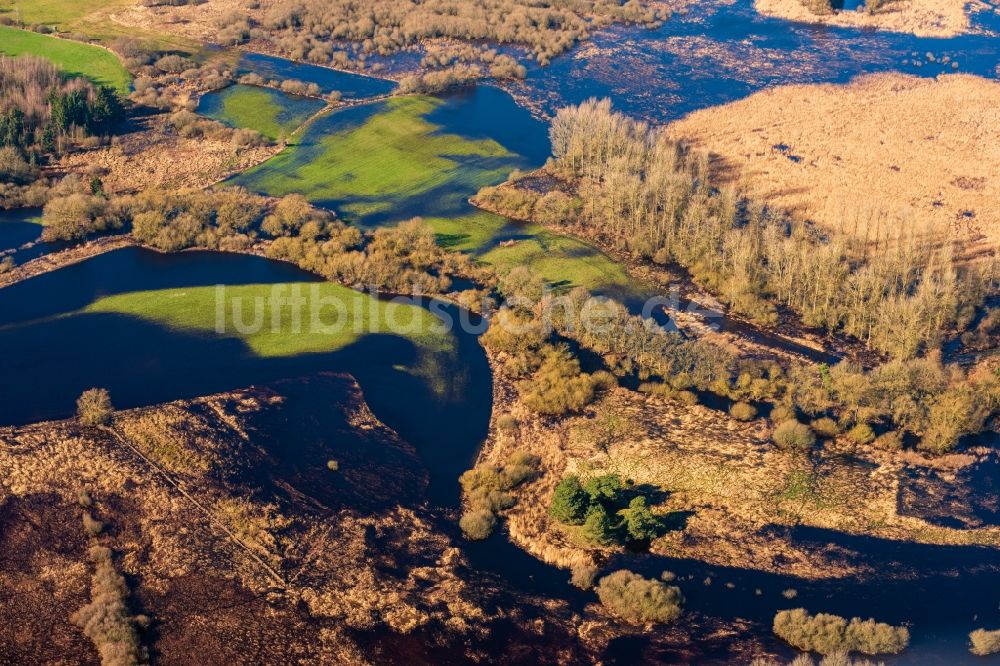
[
  {"x": 20, "y": 233},
  {"x": 350, "y": 85},
  {"x": 54, "y": 352},
  {"x": 721, "y": 51}
]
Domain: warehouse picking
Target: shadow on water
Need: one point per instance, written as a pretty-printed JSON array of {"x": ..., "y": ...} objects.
[
  {"x": 350, "y": 85},
  {"x": 483, "y": 112},
  {"x": 20, "y": 235},
  {"x": 142, "y": 363}
]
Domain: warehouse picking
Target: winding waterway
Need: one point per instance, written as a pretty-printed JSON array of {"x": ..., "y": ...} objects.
[{"x": 715, "y": 53}]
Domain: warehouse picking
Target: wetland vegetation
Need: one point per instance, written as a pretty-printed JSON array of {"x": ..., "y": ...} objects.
[{"x": 361, "y": 474}]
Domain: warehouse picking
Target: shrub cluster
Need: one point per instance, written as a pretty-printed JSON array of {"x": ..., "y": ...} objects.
[
  {"x": 639, "y": 600},
  {"x": 606, "y": 511},
  {"x": 106, "y": 620},
  {"x": 94, "y": 407},
  {"x": 826, "y": 634},
  {"x": 984, "y": 642},
  {"x": 486, "y": 491}
]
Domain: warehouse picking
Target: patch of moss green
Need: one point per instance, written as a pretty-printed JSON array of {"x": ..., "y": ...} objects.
[
  {"x": 387, "y": 162},
  {"x": 270, "y": 112}
]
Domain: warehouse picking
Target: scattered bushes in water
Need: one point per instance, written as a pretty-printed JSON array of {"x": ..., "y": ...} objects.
[
  {"x": 94, "y": 408},
  {"x": 826, "y": 634},
  {"x": 486, "y": 491},
  {"x": 793, "y": 436},
  {"x": 106, "y": 620},
  {"x": 984, "y": 642},
  {"x": 639, "y": 600},
  {"x": 310, "y": 30}
]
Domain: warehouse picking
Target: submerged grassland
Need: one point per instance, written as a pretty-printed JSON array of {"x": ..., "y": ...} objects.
[
  {"x": 97, "y": 64},
  {"x": 331, "y": 316},
  {"x": 425, "y": 156},
  {"x": 271, "y": 112}
]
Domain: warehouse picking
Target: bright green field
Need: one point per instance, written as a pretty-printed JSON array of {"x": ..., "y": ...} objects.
[
  {"x": 384, "y": 160},
  {"x": 95, "y": 63},
  {"x": 270, "y": 112},
  {"x": 387, "y": 162},
  {"x": 281, "y": 333},
  {"x": 56, "y": 12}
]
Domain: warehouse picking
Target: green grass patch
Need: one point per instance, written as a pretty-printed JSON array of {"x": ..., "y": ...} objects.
[
  {"x": 384, "y": 163},
  {"x": 270, "y": 112},
  {"x": 387, "y": 162},
  {"x": 62, "y": 13},
  {"x": 75, "y": 58},
  {"x": 563, "y": 261},
  {"x": 331, "y": 318}
]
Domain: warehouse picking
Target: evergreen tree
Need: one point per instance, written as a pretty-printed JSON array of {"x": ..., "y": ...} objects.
[
  {"x": 569, "y": 503},
  {"x": 642, "y": 525},
  {"x": 605, "y": 487},
  {"x": 597, "y": 526}
]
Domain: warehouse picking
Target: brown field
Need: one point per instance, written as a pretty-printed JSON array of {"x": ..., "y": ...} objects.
[
  {"x": 229, "y": 555},
  {"x": 742, "y": 496},
  {"x": 924, "y": 18},
  {"x": 154, "y": 156},
  {"x": 885, "y": 147}
]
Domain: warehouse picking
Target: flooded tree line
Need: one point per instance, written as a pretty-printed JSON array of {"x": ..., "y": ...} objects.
[{"x": 891, "y": 285}]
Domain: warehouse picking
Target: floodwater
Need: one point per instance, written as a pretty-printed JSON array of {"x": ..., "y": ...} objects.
[
  {"x": 715, "y": 53},
  {"x": 350, "y": 85},
  {"x": 723, "y": 50}
]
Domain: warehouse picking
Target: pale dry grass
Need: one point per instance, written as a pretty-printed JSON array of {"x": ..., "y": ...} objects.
[
  {"x": 882, "y": 151},
  {"x": 156, "y": 157},
  {"x": 924, "y": 18}
]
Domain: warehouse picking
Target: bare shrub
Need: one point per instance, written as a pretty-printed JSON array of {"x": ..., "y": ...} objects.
[{"x": 94, "y": 407}]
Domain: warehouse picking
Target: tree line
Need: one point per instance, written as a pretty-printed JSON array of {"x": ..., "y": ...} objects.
[
  {"x": 44, "y": 112},
  {"x": 892, "y": 285},
  {"x": 338, "y": 31}
]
